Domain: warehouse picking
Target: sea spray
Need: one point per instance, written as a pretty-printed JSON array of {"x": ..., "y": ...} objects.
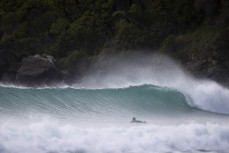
[{"x": 158, "y": 70}]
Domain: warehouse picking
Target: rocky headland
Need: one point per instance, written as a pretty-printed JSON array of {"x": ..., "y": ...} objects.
[{"x": 73, "y": 32}]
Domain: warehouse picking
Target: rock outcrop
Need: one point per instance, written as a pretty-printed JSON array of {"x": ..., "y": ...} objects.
[{"x": 38, "y": 71}]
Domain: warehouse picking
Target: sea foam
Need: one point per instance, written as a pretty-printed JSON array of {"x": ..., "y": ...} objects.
[{"x": 50, "y": 137}]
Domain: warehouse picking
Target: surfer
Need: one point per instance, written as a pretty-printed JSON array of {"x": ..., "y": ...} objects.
[{"x": 137, "y": 121}]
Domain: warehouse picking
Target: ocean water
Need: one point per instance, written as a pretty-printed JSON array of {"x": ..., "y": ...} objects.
[{"x": 183, "y": 114}]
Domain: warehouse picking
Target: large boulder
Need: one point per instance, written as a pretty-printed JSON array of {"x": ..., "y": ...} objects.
[
  {"x": 8, "y": 77},
  {"x": 38, "y": 71}
]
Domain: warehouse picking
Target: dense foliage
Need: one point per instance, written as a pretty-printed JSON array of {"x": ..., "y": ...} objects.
[{"x": 74, "y": 31}]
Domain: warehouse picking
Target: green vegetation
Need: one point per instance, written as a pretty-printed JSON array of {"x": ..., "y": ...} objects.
[
  {"x": 74, "y": 31},
  {"x": 197, "y": 43}
]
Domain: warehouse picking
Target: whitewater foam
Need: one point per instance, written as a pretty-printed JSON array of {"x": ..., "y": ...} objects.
[{"x": 47, "y": 137}]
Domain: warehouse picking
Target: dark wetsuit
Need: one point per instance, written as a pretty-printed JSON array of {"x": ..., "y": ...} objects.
[{"x": 137, "y": 121}]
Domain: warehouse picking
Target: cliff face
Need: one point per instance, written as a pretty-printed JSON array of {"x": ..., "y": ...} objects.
[{"x": 194, "y": 32}]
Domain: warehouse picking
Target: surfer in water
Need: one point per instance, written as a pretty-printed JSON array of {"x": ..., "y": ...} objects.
[{"x": 137, "y": 121}]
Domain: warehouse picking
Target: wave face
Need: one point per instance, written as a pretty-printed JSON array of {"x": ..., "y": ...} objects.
[
  {"x": 107, "y": 105},
  {"x": 98, "y": 105}
]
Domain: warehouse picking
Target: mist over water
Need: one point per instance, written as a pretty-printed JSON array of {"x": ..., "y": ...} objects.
[
  {"x": 184, "y": 114},
  {"x": 158, "y": 70}
]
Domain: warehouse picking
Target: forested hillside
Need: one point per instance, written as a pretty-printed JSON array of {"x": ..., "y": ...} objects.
[{"x": 195, "y": 32}]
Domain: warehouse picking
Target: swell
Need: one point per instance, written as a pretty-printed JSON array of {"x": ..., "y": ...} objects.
[
  {"x": 150, "y": 103},
  {"x": 144, "y": 100}
]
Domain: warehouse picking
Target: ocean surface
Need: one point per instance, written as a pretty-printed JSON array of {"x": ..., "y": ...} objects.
[{"x": 183, "y": 114}]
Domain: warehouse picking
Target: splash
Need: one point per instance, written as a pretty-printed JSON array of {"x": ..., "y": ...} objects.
[{"x": 135, "y": 69}]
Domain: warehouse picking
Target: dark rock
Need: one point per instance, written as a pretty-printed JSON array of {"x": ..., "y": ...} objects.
[
  {"x": 8, "y": 77},
  {"x": 3, "y": 62},
  {"x": 210, "y": 70},
  {"x": 37, "y": 71}
]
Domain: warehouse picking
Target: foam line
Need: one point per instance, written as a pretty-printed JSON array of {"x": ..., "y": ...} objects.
[{"x": 46, "y": 137}]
